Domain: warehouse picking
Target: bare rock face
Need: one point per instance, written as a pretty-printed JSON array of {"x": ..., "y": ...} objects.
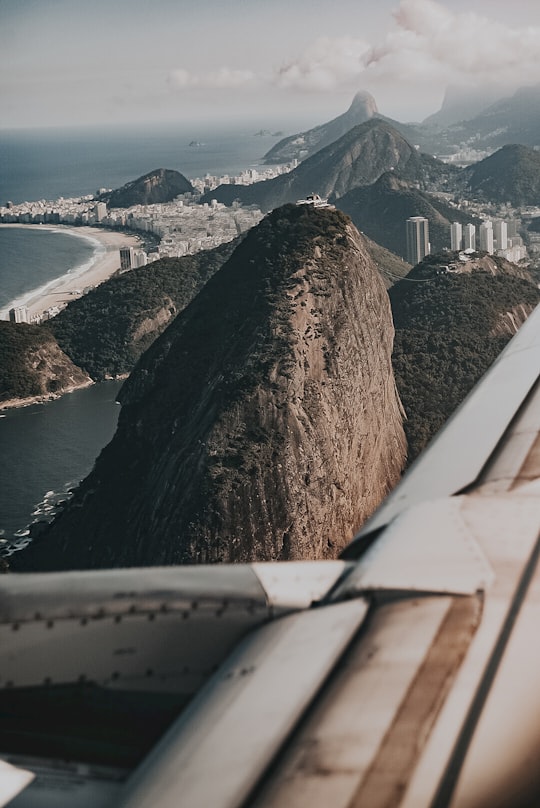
[
  {"x": 263, "y": 424},
  {"x": 34, "y": 368}
]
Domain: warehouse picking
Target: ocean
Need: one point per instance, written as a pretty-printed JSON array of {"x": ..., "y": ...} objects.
[{"x": 46, "y": 449}]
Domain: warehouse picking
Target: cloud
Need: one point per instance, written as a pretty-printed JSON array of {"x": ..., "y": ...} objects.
[
  {"x": 430, "y": 44},
  {"x": 433, "y": 43},
  {"x": 223, "y": 78},
  {"x": 329, "y": 63}
]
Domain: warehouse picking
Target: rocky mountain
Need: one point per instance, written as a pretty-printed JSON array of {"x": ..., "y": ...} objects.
[
  {"x": 107, "y": 330},
  {"x": 32, "y": 365},
  {"x": 262, "y": 424},
  {"x": 515, "y": 119},
  {"x": 452, "y": 319},
  {"x": 512, "y": 174},
  {"x": 380, "y": 211},
  {"x": 160, "y": 185},
  {"x": 304, "y": 144},
  {"x": 463, "y": 103},
  {"x": 358, "y": 158}
]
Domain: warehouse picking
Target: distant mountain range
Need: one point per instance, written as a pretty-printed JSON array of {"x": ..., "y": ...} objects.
[
  {"x": 468, "y": 118},
  {"x": 356, "y": 159},
  {"x": 304, "y": 144}
]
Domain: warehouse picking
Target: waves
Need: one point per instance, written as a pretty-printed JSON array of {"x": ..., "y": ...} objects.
[{"x": 33, "y": 259}]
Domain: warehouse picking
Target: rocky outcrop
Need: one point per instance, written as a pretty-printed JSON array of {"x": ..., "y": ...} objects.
[
  {"x": 33, "y": 366},
  {"x": 264, "y": 422},
  {"x": 160, "y": 185},
  {"x": 304, "y": 144}
]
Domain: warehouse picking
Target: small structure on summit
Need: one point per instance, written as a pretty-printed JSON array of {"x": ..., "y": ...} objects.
[{"x": 315, "y": 200}]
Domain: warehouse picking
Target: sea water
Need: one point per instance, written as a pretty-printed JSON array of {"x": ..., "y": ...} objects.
[{"x": 47, "y": 448}]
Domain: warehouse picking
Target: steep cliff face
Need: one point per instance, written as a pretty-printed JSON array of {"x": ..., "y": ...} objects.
[
  {"x": 33, "y": 367},
  {"x": 264, "y": 422}
]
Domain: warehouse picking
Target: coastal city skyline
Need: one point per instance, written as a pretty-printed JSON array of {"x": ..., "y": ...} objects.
[{"x": 65, "y": 63}]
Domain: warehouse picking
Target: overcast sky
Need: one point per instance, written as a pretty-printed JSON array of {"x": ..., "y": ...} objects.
[{"x": 269, "y": 62}]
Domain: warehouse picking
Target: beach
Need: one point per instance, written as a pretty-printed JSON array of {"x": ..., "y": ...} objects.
[{"x": 104, "y": 263}]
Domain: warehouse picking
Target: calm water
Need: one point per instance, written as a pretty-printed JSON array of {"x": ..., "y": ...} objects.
[
  {"x": 47, "y": 164},
  {"x": 47, "y": 449}
]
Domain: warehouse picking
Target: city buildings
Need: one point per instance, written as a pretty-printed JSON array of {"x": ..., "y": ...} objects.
[
  {"x": 417, "y": 233},
  {"x": 501, "y": 234},
  {"x": 469, "y": 237},
  {"x": 456, "y": 236},
  {"x": 486, "y": 237},
  {"x": 18, "y": 315}
]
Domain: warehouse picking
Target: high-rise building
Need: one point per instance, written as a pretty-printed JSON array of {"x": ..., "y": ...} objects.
[
  {"x": 126, "y": 257},
  {"x": 512, "y": 227},
  {"x": 456, "y": 235},
  {"x": 501, "y": 234},
  {"x": 100, "y": 211},
  {"x": 18, "y": 314},
  {"x": 486, "y": 237},
  {"x": 469, "y": 237},
  {"x": 417, "y": 232}
]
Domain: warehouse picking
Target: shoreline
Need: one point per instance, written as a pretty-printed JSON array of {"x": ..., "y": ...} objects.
[{"x": 103, "y": 264}]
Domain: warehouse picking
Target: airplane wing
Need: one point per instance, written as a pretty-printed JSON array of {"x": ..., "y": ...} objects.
[{"x": 404, "y": 674}]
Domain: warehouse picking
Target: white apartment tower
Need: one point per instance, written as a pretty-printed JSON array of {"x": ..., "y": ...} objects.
[
  {"x": 469, "y": 237},
  {"x": 486, "y": 237},
  {"x": 417, "y": 232},
  {"x": 456, "y": 235},
  {"x": 501, "y": 234},
  {"x": 18, "y": 314}
]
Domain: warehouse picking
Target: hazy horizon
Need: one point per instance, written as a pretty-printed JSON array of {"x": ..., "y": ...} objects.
[{"x": 65, "y": 63}]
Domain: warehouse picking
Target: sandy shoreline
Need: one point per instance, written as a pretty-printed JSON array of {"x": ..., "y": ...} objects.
[{"x": 68, "y": 287}]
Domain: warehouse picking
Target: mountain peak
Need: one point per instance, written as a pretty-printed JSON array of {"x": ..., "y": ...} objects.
[{"x": 263, "y": 424}]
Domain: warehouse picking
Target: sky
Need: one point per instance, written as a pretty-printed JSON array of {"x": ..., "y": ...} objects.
[{"x": 272, "y": 63}]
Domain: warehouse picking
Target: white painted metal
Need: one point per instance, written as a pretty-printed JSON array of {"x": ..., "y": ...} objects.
[
  {"x": 104, "y": 593},
  {"x": 12, "y": 781},
  {"x": 220, "y": 746},
  {"x": 429, "y": 548},
  {"x": 155, "y": 629},
  {"x": 506, "y": 528},
  {"x": 335, "y": 748},
  {"x": 456, "y": 456},
  {"x": 498, "y": 770},
  {"x": 74, "y": 785},
  {"x": 298, "y": 584}
]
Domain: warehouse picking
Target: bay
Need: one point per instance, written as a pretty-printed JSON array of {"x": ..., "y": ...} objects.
[
  {"x": 47, "y": 449},
  {"x": 31, "y": 257}
]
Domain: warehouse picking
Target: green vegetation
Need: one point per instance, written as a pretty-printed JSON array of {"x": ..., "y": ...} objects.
[
  {"x": 17, "y": 342},
  {"x": 446, "y": 339},
  {"x": 106, "y": 331},
  {"x": 160, "y": 185},
  {"x": 512, "y": 174}
]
